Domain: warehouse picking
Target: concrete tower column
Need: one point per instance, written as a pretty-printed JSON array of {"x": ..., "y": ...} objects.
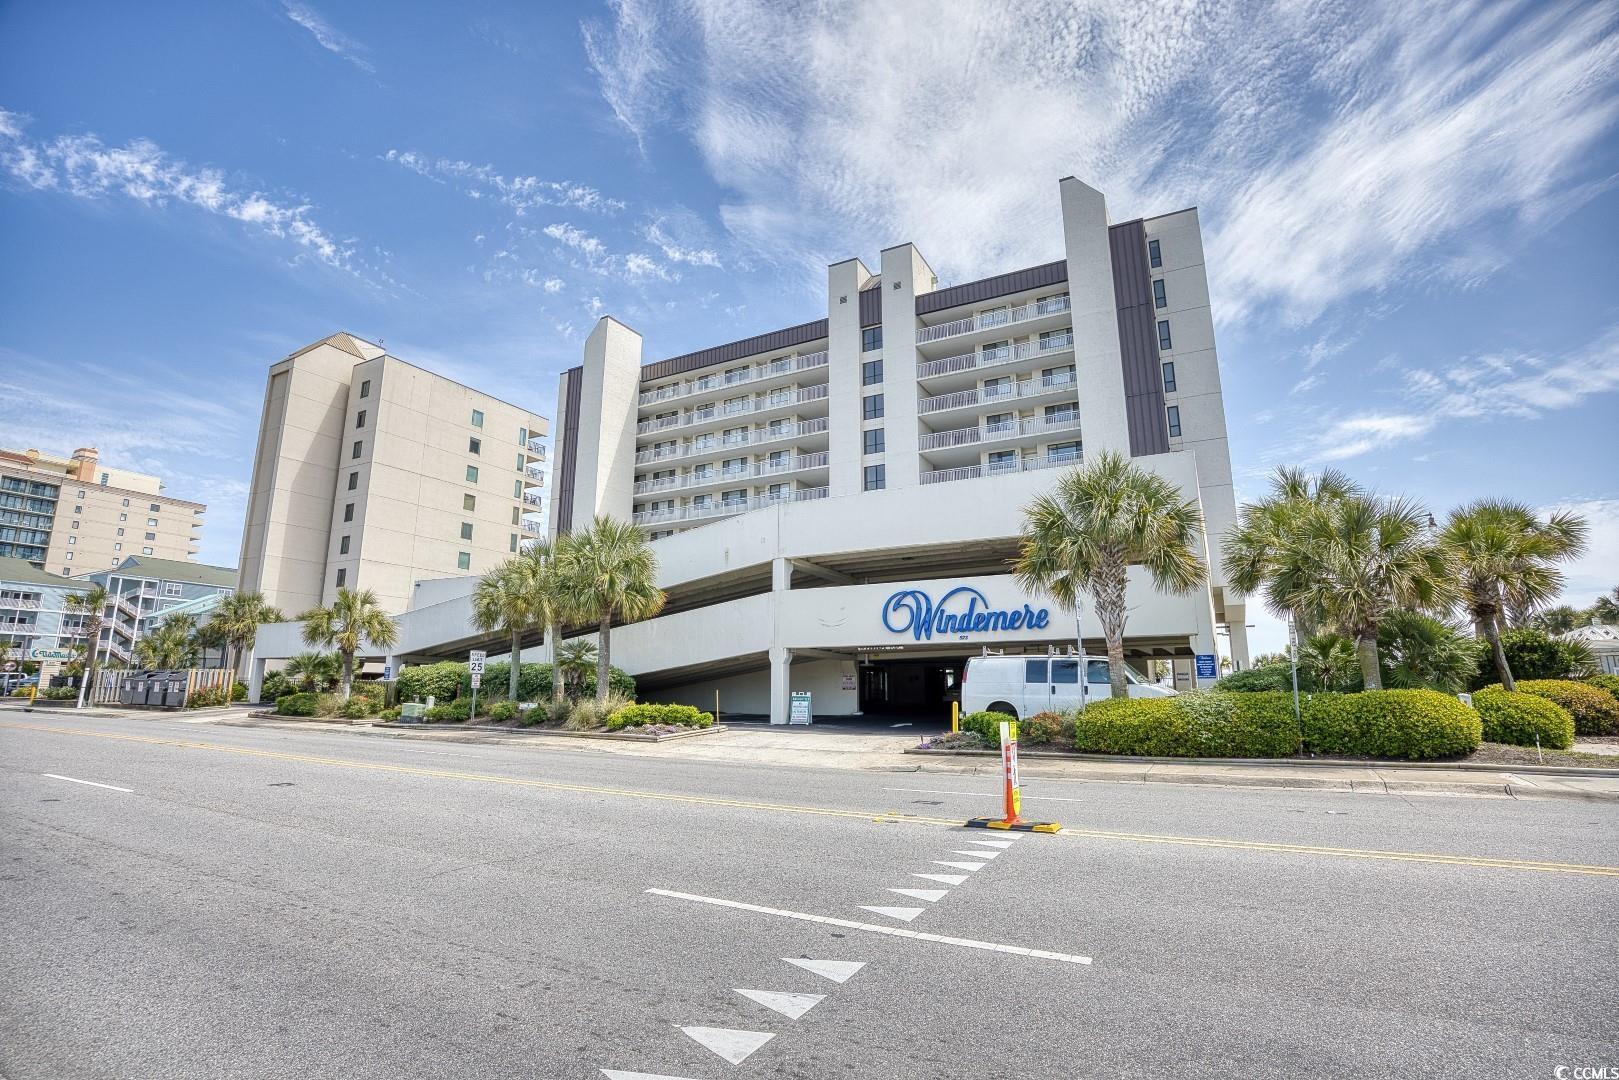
[
  {"x": 604, "y": 465},
  {"x": 1098, "y": 362},
  {"x": 906, "y": 275},
  {"x": 844, "y": 282}
]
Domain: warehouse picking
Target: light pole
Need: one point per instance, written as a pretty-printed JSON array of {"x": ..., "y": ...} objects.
[
  {"x": 1293, "y": 657},
  {"x": 1079, "y": 641}
]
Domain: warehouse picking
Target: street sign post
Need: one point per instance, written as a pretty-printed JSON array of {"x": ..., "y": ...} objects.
[{"x": 475, "y": 661}]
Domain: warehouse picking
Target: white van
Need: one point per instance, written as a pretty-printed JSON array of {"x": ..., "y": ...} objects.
[{"x": 1025, "y": 685}]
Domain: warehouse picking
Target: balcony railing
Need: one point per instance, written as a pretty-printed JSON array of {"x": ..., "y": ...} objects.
[
  {"x": 532, "y": 528},
  {"x": 987, "y": 358},
  {"x": 787, "y": 365},
  {"x": 535, "y": 448},
  {"x": 998, "y": 468},
  {"x": 713, "y": 446},
  {"x": 989, "y": 395},
  {"x": 990, "y": 320},
  {"x": 1011, "y": 429},
  {"x": 534, "y": 498},
  {"x": 720, "y": 476},
  {"x": 728, "y": 409},
  {"x": 724, "y": 508},
  {"x": 535, "y": 470},
  {"x": 20, "y": 603}
]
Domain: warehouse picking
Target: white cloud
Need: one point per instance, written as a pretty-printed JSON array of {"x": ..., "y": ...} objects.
[
  {"x": 552, "y": 285},
  {"x": 578, "y": 239},
  {"x": 1336, "y": 149},
  {"x": 521, "y": 193},
  {"x": 84, "y": 167},
  {"x": 330, "y": 39},
  {"x": 1597, "y": 571},
  {"x": 675, "y": 252}
]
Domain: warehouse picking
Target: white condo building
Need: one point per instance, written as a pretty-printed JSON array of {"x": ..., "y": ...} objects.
[{"x": 820, "y": 494}]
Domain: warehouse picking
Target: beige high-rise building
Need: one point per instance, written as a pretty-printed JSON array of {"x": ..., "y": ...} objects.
[
  {"x": 76, "y": 515},
  {"x": 374, "y": 473}
]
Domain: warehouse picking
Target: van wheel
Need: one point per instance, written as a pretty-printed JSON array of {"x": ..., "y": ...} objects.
[{"x": 1003, "y": 707}]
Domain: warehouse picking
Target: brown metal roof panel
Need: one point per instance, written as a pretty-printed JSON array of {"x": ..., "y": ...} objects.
[
  {"x": 976, "y": 292},
  {"x": 736, "y": 350}
]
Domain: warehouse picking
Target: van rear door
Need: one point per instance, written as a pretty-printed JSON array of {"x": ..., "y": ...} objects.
[
  {"x": 1036, "y": 691},
  {"x": 1098, "y": 683}
]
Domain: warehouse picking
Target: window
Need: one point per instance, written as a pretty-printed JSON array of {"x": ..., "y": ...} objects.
[
  {"x": 171, "y": 588},
  {"x": 81, "y": 495},
  {"x": 354, "y": 480},
  {"x": 463, "y": 560},
  {"x": 343, "y": 546},
  {"x": 104, "y": 479},
  {"x": 874, "y": 441},
  {"x": 522, "y": 436},
  {"x": 1163, "y": 335},
  {"x": 75, "y": 539},
  {"x": 342, "y": 576},
  {"x": 118, "y": 547},
  {"x": 150, "y": 536},
  {"x": 151, "y": 522},
  {"x": 146, "y": 551},
  {"x": 120, "y": 533},
  {"x": 517, "y": 515},
  {"x": 359, "y": 448},
  {"x": 365, "y": 388},
  {"x": 469, "y": 502},
  {"x": 466, "y": 530},
  {"x": 1154, "y": 256},
  {"x": 70, "y": 556},
  {"x": 78, "y": 509},
  {"x": 514, "y": 542},
  {"x": 871, "y": 407},
  {"x": 123, "y": 517},
  {"x": 477, "y": 421},
  {"x": 1169, "y": 376},
  {"x": 1096, "y": 673},
  {"x": 1003, "y": 461},
  {"x": 475, "y": 446},
  {"x": 348, "y": 511},
  {"x": 126, "y": 501},
  {"x": 1158, "y": 298},
  {"x": 155, "y": 508},
  {"x": 874, "y": 478},
  {"x": 359, "y": 419},
  {"x": 1065, "y": 672},
  {"x": 517, "y": 489},
  {"x": 75, "y": 524},
  {"x": 871, "y": 373},
  {"x": 1175, "y": 421},
  {"x": 1067, "y": 451},
  {"x": 472, "y": 474},
  {"x": 871, "y": 339},
  {"x": 521, "y": 461},
  {"x": 1034, "y": 671}
]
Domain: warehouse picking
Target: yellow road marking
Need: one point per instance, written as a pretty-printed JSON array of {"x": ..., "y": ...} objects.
[{"x": 821, "y": 811}]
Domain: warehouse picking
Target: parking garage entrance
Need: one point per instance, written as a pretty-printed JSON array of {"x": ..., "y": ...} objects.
[{"x": 920, "y": 687}]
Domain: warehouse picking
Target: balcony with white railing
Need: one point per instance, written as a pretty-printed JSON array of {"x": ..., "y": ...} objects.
[
  {"x": 19, "y": 603},
  {"x": 990, "y": 324},
  {"x": 983, "y": 396},
  {"x": 677, "y": 515},
  {"x": 717, "y": 445},
  {"x": 743, "y": 475},
  {"x": 535, "y": 471},
  {"x": 534, "y": 498},
  {"x": 535, "y": 448},
  {"x": 531, "y": 528},
  {"x": 963, "y": 368},
  {"x": 723, "y": 412},
  {"x": 999, "y": 468},
  {"x": 1029, "y": 427},
  {"x": 720, "y": 381}
]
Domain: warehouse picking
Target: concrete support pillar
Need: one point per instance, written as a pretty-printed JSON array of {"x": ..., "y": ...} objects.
[
  {"x": 781, "y": 662},
  {"x": 843, "y": 359},
  {"x": 906, "y": 275},
  {"x": 255, "y": 677},
  {"x": 1098, "y": 362},
  {"x": 781, "y": 575}
]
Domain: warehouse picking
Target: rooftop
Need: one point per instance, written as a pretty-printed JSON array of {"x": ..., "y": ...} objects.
[
  {"x": 145, "y": 566},
  {"x": 22, "y": 571}
]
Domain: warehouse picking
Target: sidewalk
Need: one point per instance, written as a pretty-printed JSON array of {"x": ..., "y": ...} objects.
[{"x": 886, "y": 753}]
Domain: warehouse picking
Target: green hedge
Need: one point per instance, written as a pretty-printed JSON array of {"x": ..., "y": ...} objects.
[
  {"x": 1276, "y": 677},
  {"x": 1610, "y": 683},
  {"x": 1595, "y": 711},
  {"x": 1417, "y": 725},
  {"x": 987, "y": 724},
  {"x": 502, "y": 711},
  {"x": 641, "y": 715},
  {"x": 298, "y": 705},
  {"x": 1044, "y": 728},
  {"x": 449, "y": 713},
  {"x": 446, "y": 680},
  {"x": 1519, "y": 718},
  {"x": 275, "y": 687},
  {"x": 1202, "y": 724}
]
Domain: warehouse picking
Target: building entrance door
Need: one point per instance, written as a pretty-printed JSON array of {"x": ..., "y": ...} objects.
[{"x": 911, "y": 687}]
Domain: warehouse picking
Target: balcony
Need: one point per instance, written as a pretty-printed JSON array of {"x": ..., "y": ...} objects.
[
  {"x": 535, "y": 448},
  {"x": 535, "y": 471},
  {"x": 676, "y": 515},
  {"x": 531, "y": 528},
  {"x": 720, "y": 477},
  {"x": 1028, "y": 427},
  {"x": 1021, "y": 464},
  {"x": 721, "y": 412},
  {"x": 533, "y": 498},
  {"x": 787, "y": 365},
  {"x": 993, "y": 358},
  {"x": 992, "y": 395},
  {"x": 19, "y": 603},
  {"x": 994, "y": 320},
  {"x": 718, "y": 445}
]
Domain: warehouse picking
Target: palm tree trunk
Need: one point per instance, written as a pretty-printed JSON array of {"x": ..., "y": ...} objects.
[
  {"x": 1109, "y": 597},
  {"x": 558, "y": 687},
  {"x": 1366, "y": 652},
  {"x": 1492, "y": 634},
  {"x": 603, "y": 665},
  {"x": 517, "y": 649},
  {"x": 348, "y": 674}
]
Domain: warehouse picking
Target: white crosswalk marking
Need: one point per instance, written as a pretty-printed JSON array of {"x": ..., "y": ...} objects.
[
  {"x": 903, "y": 914},
  {"x": 932, "y": 896},
  {"x": 967, "y": 866},
  {"x": 839, "y": 971},
  {"x": 731, "y": 1044},
  {"x": 791, "y": 1006},
  {"x": 943, "y": 879}
]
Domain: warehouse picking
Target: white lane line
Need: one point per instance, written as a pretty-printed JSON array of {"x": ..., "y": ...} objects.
[
  {"x": 614, "y": 1074},
  {"x": 943, "y": 879},
  {"x": 932, "y": 896},
  {"x": 839, "y": 971},
  {"x": 871, "y": 928},
  {"x": 903, "y": 914},
  {"x": 792, "y": 1006},
  {"x": 89, "y": 783},
  {"x": 970, "y": 867},
  {"x": 730, "y": 1043}
]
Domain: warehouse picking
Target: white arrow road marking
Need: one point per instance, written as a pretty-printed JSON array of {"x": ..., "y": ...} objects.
[
  {"x": 730, "y": 1043},
  {"x": 978, "y": 854},
  {"x": 791, "y": 1006},
  {"x": 614, "y": 1074},
  {"x": 968, "y": 866},
  {"x": 1002, "y": 844},
  {"x": 839, "y": 971},
  {"x": 870, "y": 928},
  {"x": 89, "y": 783},
  {"x": 932, "y": 896},
  {"x": 943, "y": 879},
  {"x": 903, "y": 914}
]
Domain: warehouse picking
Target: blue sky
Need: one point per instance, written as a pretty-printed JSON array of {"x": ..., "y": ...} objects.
[{"x": 1410, "y": 210}]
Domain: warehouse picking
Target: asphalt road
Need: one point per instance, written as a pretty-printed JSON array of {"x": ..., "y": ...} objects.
[{"x": 266, "y": 903}]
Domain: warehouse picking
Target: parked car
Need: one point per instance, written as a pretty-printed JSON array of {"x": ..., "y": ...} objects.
[{"x": 1025, "y": 685}]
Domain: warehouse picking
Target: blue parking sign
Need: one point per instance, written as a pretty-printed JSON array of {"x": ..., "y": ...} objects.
[{"x": 1205, "y": 666}]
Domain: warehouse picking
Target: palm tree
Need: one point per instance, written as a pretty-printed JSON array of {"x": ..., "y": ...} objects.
[
  {"x": 609, "y": 571},
  {"x": 1328, "y": 660},
  {"x": 1506, "y": 556},
  {"x": 1102, "y": 518},
  {"x": 1349, "y": 561},
  {"x": 1264, "y": 527},
  {"x": 236, "y": 619},
  {"x": 574, "y": 661},
  {"x": 1556, "y": 620},
  {"x": 1606, "y": 609},
  {"x": 354, "y": 618},
  {"x": 170, "y": 644},
  {"x": 92, "y": 604},
  {"x": 509, "y": 598},
  {"x": 1420, "y": 652},
  {"x": 313, "y": 671},
  {"x": 553, "y": 603}
]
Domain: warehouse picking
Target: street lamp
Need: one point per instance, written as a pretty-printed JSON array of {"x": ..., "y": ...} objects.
[{"x": 1293, "y": 656}]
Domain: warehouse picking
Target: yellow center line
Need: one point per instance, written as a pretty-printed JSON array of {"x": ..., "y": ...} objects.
[{"x": 821, "y": 811}]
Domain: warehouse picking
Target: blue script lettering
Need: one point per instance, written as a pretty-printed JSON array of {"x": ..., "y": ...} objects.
[{"x": 962, "y": 610}]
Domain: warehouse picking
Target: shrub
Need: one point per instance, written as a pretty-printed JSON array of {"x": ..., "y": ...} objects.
[
  {"x": 390, "y": 713},
  {"x": 448, "y": 713},
  {"x": 275, "y": 687},
  {"x": 587, "y": 714},
  {"x": 357, "y": 707},
  {"x": 641, "y": 715},
  {"x": 437, "y": 681},
  {"x": 1520, "y": 718},
  {"x": 59, "y": 693},
  {"x": 1411, "y": 724},
  {"x": 371, "y": 689},
  {"x": 207, "y": 698},
  {"x": 1273, "y": 677},
  {"x": 1595, "y": 711},
  {"x": 1200, "y": 724},
  {"x": 1535, "y": 654},
  {"x": 238, "y": 691},
  {"x": 301, "y": 704},
  {"x": 957, "y": 740},
  {"x": 530, "y": 715},
  {"x": 1610, "y": 683},
  {"x": 987, "y": 724},
  {"x": 502, "y": 711},
  {"x": 1041, "y": 728}
]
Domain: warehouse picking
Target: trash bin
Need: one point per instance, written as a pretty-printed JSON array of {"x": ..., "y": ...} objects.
[
  {"x": 174, "y": 690},
  {"x": 154, "y": 687},
  {"x": 126, "y": 688}
]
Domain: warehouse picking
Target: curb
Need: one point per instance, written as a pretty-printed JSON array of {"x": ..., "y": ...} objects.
[{"x": 1460, "y": 766}]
